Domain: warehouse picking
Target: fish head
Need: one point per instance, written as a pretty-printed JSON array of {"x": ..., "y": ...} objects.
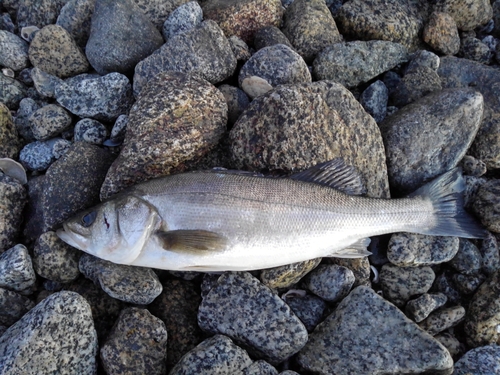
[{"x": 115, "y": 230}]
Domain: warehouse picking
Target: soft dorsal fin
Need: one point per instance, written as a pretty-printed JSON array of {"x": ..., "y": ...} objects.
[
  {"x": 191, "y": 240},
  {"x": 335, "y": 174}
]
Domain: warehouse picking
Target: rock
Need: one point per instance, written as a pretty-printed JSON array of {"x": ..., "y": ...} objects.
[
  {"x": 137, "y": 344},
  {"x": 411, "y": 249},
  {"x": 243, "y": 18},
  {"x": 115, "y": 45},
  {"x": 38, "y": 12},
  {"x": 158, "y": 10},
  {"x": 260, "y": 367},
  {"x": 240, "y": 49},
  {"x": 13, "y": 306},
  {"x": 16, "y": 270},
  {"x": 486, "y": 204},
  {"x": 236, "y": 101},
  {"x": 255, "y": 86},
  {"x": 430, "y": 136},
  {"x": 37, "y": 156},
  {"x": 55, "y": 260},
  {"x": 309, "y": 309},
  {"x": 365, "y": 325},
  {"x": 9, "y": 140},
  {"x": 216, "y": 355},
  {"x": 330, "y": 282},
  {"x": 451, "y": 343},
  {"x": 60, "y": 148},
  {"x": 268, "y": 36},
  {"x": 75, "y": 17},
  {"x": 287, "y": 275},
  {"x": 414, "y": 85},
  {"x": 49, "y": 121},
  {"x": 374, "y": 100},
  {"x": 468, "y": 14},
  {"x": 54, "y": 51},
  {"x": 481, "y": 322},
  {"x": 351, "y": 63},
  {"x": 129, "y": 284},
  {"x": 319, "y": 121},
  {"x": 212, "y": 60},
  {"x": 26, "y": 108},
  {"x": 240, "y": 307},
  {"x": 12, "y": 200},
  {"x": 177, "y": 117},
  {"x": 57, "y": 335},
  {"x": 13, "y": 51},
  {"x": 467, "y": 284},
  {"x": 399, "y": 284},
  {"x": 490, "y": 255},
  {"x": 90, "y": 131},
  {"x": 443, "y": 319},
  {"x": 467, "y": 259},
  {"x": 419, "y": 308},
  {"x": 441, "y": 33},
  {"x": 6, "y": 22},
  {"x": 423, "y": 58},
  {"x": 482, "y": 360},
  {"x": 45, "y": 83},
  {"x": 11, "y": 91},
  {"x": 473, "y": 167},
  {"x": 445, "y": 285},
  {"x": 103, "y": 98},
  {"x": 278, "y": 65},
  {"x": 182, "y": 19},
  {"x": 474, "y": 49},
  {"x": 310, "y": 27}
]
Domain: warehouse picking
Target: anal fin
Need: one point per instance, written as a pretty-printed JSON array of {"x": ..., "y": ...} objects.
[
  {"x": 356, "y": 250},
  {"x": 191, "y": 240}
]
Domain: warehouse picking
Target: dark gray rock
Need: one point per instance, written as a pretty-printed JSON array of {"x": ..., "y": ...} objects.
[
  {"x": 419, "y": 308},
  {"x": 6, "y": 23},
  {"x": 10, "y": 143},
  {"x": 474, "y": 49},
  {"x": 482, "y": 360},
  {"x": 374, "y": 100},
  {"x": 240, "y": 49},
  {"x": 26, "y": 108},
  {"x": 240, "y": 307},
  {"x": 182, "y": 19},
  {"x": 57, "y": 335},
  {"x": 236, "y": 101},
  {"x": 49, "y": 121},
  {"x": 38, "y": 12},
  {"x": 269, "y": 36},
  {"x": 16, "y": 270},
  {"x": 90, "y": 131},
  {"x": 13, "y": 306},
  {"x": 486, "y": 203},
  {"x": 360, "y": 267},
  {"x": 442, "y": 319},
  {"x": 364, "y": 325},
  {"x": 468, "y": 258},
  {"x": 287, "y": 275},
  {"x": 11, "y": 91},
  {"x": 441, "y": 33},
  {"x": 61, "y": 146},
  {"x": 260, "y": 367},
  {"x": 467, "y": 14},
  {"x": 37, "y": 156},
  {"x": 45, "y": 83},
  {"x": 12, "y": 200},
  {"x": 490, "y": 255},
  {"x": 158, "y": 10},
  {"x": 423, "y": 58},
  {"x": 309, "y": 309},
  {"x": 330, "y": 282},
  {"x": 415, "y": 84},
  {"x": 13, "y": 51},
  {"x": 75, "y": 17},
  {"x": 467, "y": 284},
  {"x": 115, "y": 45},
  {"x": 473, "y": 167},
  {"x": 444, "y": 284}
]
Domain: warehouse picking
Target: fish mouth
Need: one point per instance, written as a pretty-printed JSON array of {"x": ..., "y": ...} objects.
[{"x": 71, "y": 238}]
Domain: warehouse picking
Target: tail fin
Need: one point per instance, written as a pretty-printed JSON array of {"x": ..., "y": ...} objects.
[{"x": 446, "y": 193}]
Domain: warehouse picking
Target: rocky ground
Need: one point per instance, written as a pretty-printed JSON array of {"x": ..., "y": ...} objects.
[{"x": 97, "y": 95}]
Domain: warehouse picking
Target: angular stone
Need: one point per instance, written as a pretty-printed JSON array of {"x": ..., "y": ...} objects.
[
  {"x": 182, "y": 19},
  {"x": 419, "y": 308},
  {"x": 16, "y": 270},
  {"x": 441, "y": 33},
  {"x": 415, "y": 84},
  {"x": 309, "y": 309},
  {"x": 374, "y": 100},
  {"x": 468, "y": 14}
]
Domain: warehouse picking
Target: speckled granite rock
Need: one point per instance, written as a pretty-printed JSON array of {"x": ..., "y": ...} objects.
[
  {"x": 467, "y": 284},
  {"x": 240, "y": 307},
  {"x": 442, "y": 319},
  {"x": 115, "y": 45},
  {"x": 57, "y": 335},
  {"x": 176, "y": 118},
  {"x": 90, "y": 131},
  {"x": 37, "y": 156},
  {"x": 26, "y": 108},
  {"x": 136, "y": 345},
  {"x": 243, "y": 18},
  {"x": 374, "y": 100},
  {"x": 441, "y": 33},
  {"x": 490, "y": 255},
  {"x": 411, "y": 249},
  {"x": 213, "y": 60},
  {"x": 182, "y": 19},
  {"x": 75, "y": 17},
  {"x": 310, "y": 27},
  {"x": 482, "y": 360},
  {"x": 351, "y": 63},
  {"x": 360, "y": 267},
  {"x": 9, "y": 139},
  {"x": 430, "y": 136},
  {"x": 45, "y": 83},
  {"x": 320, "y": 121},
  {"x": 135, "y": 285},
  {"x": 49, "y": 121},
  {"x": 287, "y": 275},
  {"x": 16, "y": 270},
  {"x": 216, "y": 355},
  {"x": 468, "y": 14},
  {"x": 308, "y": 308},
  {"x": 330, "y": 282},
  {"x": 419, "y": 308},
  {"x": 260, "y": 367},
  {"x": 13, "y": 306},
  {"x": 38, "y": 12},
  {"x": 475, "y": 49},
  {"x": 415, "y": 84},
  {"x": 451, "y": 343},
  {"x": 467, "y": 260},
  {"x": 13, "y": 51},
  {"x": 445, "y": 285},
  {"x": 240, "y": 49},
  {"x": 54, "y": 51},
  {"x": 12, "y": 200},
  {"x": 486, "y": 205},
  {"x": 11, "y": 91},
  {"x": 364, "y": 325},
  {"x": 268, "y": 36}
]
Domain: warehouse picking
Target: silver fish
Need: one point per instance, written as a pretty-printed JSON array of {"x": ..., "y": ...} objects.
[{"x": 221, "y": 221}]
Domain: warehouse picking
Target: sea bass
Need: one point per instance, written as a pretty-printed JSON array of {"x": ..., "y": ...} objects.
[{"x": 227, "y": 221}]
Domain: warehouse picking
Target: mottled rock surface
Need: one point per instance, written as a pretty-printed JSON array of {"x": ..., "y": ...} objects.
[
  {"x": 287, "y": 275},
  {"x": 13, "y": 306},
  {"x": 9, "y": 139},
  {"x": 16, "y": 270},
  {"x": 13, "y": 51},
  {"x": 12, "y": 200},
  {"x": 49, "y": 121},
  {"x": 38, "y": 12},
  {"x": 75, "y": 17},
  {"x": 419, "y": 308},
  {"x": 468, "y": 14},
  {"x": 482, "y": 360},
  {"x": 441, "y": 33},
  {"x": 182, "y": 19},
  {"x": 11, "y": 91},
  {"x": 486, "y": 205}
]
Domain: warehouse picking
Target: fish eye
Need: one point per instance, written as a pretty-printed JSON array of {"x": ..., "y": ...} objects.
[{"x": 89, "y": 218}]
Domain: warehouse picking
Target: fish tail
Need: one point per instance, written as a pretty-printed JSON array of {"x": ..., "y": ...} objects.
[{"x": 447, "y": 196}]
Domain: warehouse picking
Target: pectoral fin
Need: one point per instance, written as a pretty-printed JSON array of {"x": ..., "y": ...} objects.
[{"x": 191, "y": 240}]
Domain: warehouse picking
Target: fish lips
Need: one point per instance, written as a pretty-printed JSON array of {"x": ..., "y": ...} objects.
[{"x": 72, "y": 238}]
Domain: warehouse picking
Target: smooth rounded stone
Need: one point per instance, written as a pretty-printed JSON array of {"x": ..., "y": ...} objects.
[
  {"x": 481, "y": 323},
  {"x": 16, "y": 270},
  {"x": 481, "y": 361},
  {"x": 54, "y": 51},
  {"x": 330, "y": 282},
  {"x": 115, "y": 45},
  {"x": 309, "y": 26},
  {"x": 12, "y": 200},
  {"x": 202, "y": 50},
  {"x": 255, "y": 86},
  {"x": 90, "y": 131},
  {"x": 182, "y": 19},
  {"x": 468, "y": 14},
  {"x": 119, "y": 130},
  {"x": 103, "y": 98},
  {"x": 260, "y": 367},
  {"x": 37, "y": 156},
  {"x": 56, "y": 336},
  {"x": 38, "y": 12},
  {"x": 178, "y": 117},
  {"x": 364, "y": 325},
  {"x": 55, "y": 260},
  {"x": 474, "y": 49},
  {"x": 13, "y": 51},
  {"x": 451, "y": 343},
  {"x": 473, "y": 167},
  {"x": 490, "y": 255},
  {"x": 411, "y": 249},
  {"x": 419, "y": 308},
  {"x": 9, "y": 140},
  {"x": 240, "y": 49},
  {"x": 467, "y": 284},
  {"x": 442, "y": 319},
  {"x": 441, "y": 33},
  {"x": 216, "y": 355},
  {"x": 13, "y": 306},
  {"x": 319, "y": 121},
  {"x": 278, "y": 65},
  {"x": 61, "y": 146},
  {"x": 399, "y": 284},
  {"x": 11, "y": 91},
  {"x": 242, "y": 308},
  {"x": 45, "y": 83},
  {"x": 309, "y": 309},
  {"x": 467, "y": 259},
  {"x": 75, "y": 17},
  {"x": 360, "y": 267},
  {"x": 445, "y": 285},
  {"x": 268, "y": 36},
  {"x": 287, "y": 275},
  {"x": 177, "y": 307},
  {"x": 486, "y": 205},
  {"x": 129, "y": 284},
  {"x": 430, "y": 136},
  {"x": 236, "y": 101},
  {"x": 399, "y": 21},
  {"x": 137, "y": 344},
  {"x": 352, "y": 63},
  {"x": 414, "y": 85},
  {"x": 243, "y": 18},
  {"x": 374, "y": 100},
  {"x": 49, "y": 121}
]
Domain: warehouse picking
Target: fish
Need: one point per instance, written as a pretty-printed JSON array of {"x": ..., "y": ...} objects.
[{"x": 220, "y": 220}]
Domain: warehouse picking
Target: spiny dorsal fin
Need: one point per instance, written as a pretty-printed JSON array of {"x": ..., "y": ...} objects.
[
  {"x": 335, "y": 174},
  {"x": 191, "y": 240}
]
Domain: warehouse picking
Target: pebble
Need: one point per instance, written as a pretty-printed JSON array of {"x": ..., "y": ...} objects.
[
  {"x": 483, "y": 360},
  {"x": 242, "y": 308},
  {"x": 364, "y": 325},
  {"x": 37, "y": 156},
  {"x": 75, "y": 17},
  {"x": 6, "y": 23},
  {"x": 119, "y": 129},
  {"x": 490, "y": 255},
  {"x": 135, "y": 285},
  {"x": 476, "y": 50},
  {"x": 115, "y": 45},
  {"x": 445, "y": 285},
  {"x": 13, "y": 306},
  {"x": 240, "y": 49},
  {"x": 12, "y": 200},
  {"x": 467, "y": 284},
  {"x": 182, "y": 19},
  {"x": 57, "y": 335},
  {"x": 90, "y": 131},
  {"x": 330, "y": 282},
  {"x": 11, "y": 91},
  {"x": 308, "y": 308},
  {"x": 360, "y": 267},
  {"x": 136, "y": 345},
  {"x": 236, "y": 101},
  {"x": 467, "y": 15},
  {"x": 45, "y": 83},
  {"x": 472, "y": 166},
  {"x": 16, "y": 270},
  {"x": 288, "y": 275},
  {"x": 158, "y": 10},
  {"x": 419, "y": 308},
  {"x": 486, "y": 203},
  {"x": 38, "y": 12},
  {"x": 268, "y": 36},
  {"x": 255, "y": 86},
  {"x": 13, "y": 51},
  {"x": 451, "y": 343},
  {"x": 9, "y": 140},
  {"x": 49, "y": 121},
  {"x": 415, "y": 84},
  {"x": 374, "y": 100},
  {"x": 441, "y": 33},
  {"x": 443, "y": 319},
  {"x": 468, "y": 258},
  {"x": 61, "y": 146}
]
